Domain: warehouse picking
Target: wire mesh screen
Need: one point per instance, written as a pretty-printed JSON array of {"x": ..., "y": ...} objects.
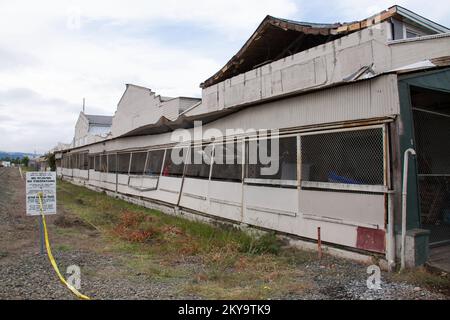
[
  {"x": 227, "y": 162},
  {"x": 284, "y": 162},
  {"x": 104, "y": 163},
  {"x": 83, "y": 161},
  {"x": 112, "y": 163},
  {"x": 174, "y": 162},
  {"x": 347, "y": 157},
  {"x": 154, "y": 163},
  {"x": 432, "y": 134},
  {"x": 91, "y": 162},
  {"x": 199, "y": 164},
  {"x": 123, "y": 163},
  {"x": 138, "y": 163}
]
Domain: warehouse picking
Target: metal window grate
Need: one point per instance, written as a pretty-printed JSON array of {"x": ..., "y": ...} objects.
[
  {"x": 104, "y": 163},
  {"x": 138, "y": 163},
  {"x": 123, "y": 163},
  {"x": 97, "y": 163},
  {"x": 283, "y": 163},
  {"x": 195, "y": 169},
  {"x": 112, "y": 163},
  {"x": 154, "y": 163},
  {"x": 91, "y": 162},
  {"x": 171, "y": 168},
  {"x": 344, "y": 157},
  {"x": 227, "y": 162}
]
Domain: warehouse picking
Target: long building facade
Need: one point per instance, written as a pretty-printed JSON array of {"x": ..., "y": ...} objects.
[{"x": 341, "y": 103}]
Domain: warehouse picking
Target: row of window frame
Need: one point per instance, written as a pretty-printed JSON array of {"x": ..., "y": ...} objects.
[{"x": 299, "y": 182}]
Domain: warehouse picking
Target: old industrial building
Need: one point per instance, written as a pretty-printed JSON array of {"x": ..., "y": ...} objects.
[
  {"x": 348, "y": 100},
  {"x": 91, "y": 128}
]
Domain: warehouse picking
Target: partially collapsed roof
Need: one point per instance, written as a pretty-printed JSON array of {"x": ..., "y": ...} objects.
[
  {"x": 277, "y": 38},
  {"x": 273, "y": 40},
  {"x": 99, "y": 120}
]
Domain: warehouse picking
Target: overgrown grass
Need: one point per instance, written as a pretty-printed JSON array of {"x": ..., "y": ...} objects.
[
  {"x": 170, "y": 234},
  {"x": 27, "y": 169},
  {"x": 216, "y": 261},
  {"x": 425, "y": 278}
]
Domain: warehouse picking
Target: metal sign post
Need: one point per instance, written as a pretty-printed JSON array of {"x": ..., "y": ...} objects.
[
  {"x": 41, "y": 184},
  {"x": 41, "y": 234}
]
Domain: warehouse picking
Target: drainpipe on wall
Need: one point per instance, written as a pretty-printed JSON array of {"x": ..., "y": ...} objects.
[
  {"x": 391, "y": 231},
  {"x": 404, "y": 199}
]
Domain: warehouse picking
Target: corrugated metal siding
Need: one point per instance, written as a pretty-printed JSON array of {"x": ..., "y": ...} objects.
[
  {"x": 358, "y": 101},
  {"x": 364, "y": 100}
]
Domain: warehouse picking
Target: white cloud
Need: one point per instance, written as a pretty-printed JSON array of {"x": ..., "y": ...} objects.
[
  {"x": 58, "y": 52},
  {"x": 227, "y": 15},
  {"x": 71, "y": 49}
]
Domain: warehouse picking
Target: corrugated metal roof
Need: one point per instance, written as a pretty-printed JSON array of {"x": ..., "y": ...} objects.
[
  {"x": 277, "y": 38},
  {"x": 274, "y": 39},
  {"x": 311, "y": 24},
  {"x": 99, "y": 120}
]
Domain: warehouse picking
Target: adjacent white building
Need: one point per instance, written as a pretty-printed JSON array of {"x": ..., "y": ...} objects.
[
  {"x": 141, "y": 106},
  {"x": 91, "y": 128},
  {"x": 5, "y": 164}
]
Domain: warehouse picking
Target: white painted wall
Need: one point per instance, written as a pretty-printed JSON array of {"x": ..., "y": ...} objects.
[
  {"x": 141, "y": 106},
  {"x": 320, "y": 66},
  {"x": 88, "y": 134}
]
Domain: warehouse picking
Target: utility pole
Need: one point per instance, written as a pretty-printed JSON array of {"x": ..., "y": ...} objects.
[{"x": 84, "y": 105}]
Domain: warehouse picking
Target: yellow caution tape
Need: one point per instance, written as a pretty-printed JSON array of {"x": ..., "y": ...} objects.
[{"x": 52, "y": 259}]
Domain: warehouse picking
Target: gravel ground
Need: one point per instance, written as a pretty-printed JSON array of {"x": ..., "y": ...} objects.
[
  {"x": 24, "y": 274},
  {"x": 344, "y": 280},
  {"x": 31, "y": 277}
]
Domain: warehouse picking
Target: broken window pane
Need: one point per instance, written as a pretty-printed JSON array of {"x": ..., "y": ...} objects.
[
  {"x": 198, "y": 167},
  {"x": 138, "y": 163},
  {"x": 112, "y": 161},
  {"x": 227, "y": 162},
  {"x": 349, "y": 157},
  {"x": 154, "y": 163},
  {"x": 174, "y": 163},
  {"x": 267, "y": 161},
  {"x": 123, "y": 163}
]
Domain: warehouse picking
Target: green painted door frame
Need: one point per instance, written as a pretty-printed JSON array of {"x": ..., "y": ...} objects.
[{"x": 438, "y": 80}]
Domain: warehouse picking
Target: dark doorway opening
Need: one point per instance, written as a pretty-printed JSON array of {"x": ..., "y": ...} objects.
[{"x": 431, "y": 114}]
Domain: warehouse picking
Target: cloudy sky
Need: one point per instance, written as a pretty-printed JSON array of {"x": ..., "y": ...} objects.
[{"x": 54, "y": 53}]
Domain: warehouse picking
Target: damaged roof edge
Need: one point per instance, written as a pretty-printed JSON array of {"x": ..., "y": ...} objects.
[
  {"x": 335, "y": 30},
  {"x": 305, "y": 27}
]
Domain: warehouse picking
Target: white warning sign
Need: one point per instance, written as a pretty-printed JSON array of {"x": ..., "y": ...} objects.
[{"x": 44, "y": 182}]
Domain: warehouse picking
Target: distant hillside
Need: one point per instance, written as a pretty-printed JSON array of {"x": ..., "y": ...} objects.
[{"x": 15, "y": 155}]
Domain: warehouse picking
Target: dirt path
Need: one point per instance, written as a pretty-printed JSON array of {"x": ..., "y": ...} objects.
[
  {"x": 112, "y": 269},
  {"x": 16, "y": 230},
  {"x": 25, "y": 274}
]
